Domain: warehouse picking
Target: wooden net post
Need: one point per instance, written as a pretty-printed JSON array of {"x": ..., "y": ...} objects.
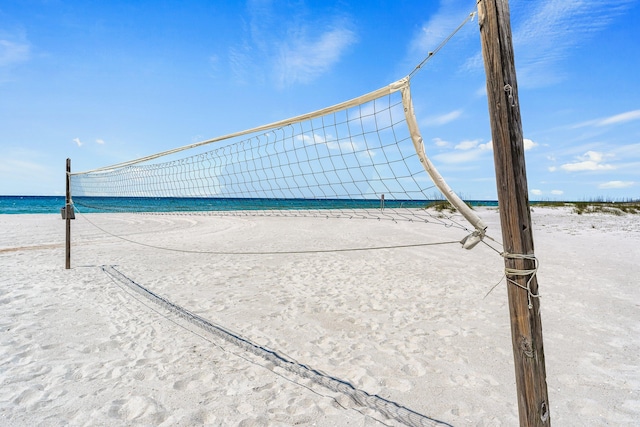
[
  {"x": 67, "y": 211},
  {"x": 515, "y": 217}
]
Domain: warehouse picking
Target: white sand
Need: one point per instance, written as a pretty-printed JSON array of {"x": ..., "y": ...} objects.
[{"x": 410, "y": 325}]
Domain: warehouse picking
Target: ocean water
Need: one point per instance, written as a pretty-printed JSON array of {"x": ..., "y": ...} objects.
[
  {"x": 31, "y": 204},
  {"x": 53, "y": 204}
]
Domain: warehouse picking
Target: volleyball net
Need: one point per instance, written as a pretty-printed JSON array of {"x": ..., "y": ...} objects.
[{"x": 364, "y": 157}]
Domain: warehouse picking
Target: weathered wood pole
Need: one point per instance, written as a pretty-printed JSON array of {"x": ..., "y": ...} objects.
[
  {"x": 67, "y": 214},
  {"x": 515, "y": 217}
]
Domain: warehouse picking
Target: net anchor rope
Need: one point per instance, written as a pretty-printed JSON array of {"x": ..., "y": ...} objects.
[
  {"x": 508, "y": 271},
  {"x": 442, "y": 44},
  {"x": 300, "y": 252}
]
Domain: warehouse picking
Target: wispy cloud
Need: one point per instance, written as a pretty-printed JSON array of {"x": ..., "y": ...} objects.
[
  {"x": 627, "y": 151},
  {"x": 331, "y": 143},
  {"x": 440, "y": 142},
  {"x": 293, "y": 52},
  {"x": 467, "y": 144},
  {"x": 464, "y": 151},
  {"x": 616, "y": 184},
  {"x": 621, "y": 118},
  {"x": 240, "y": 61},
  {"x": 77, "y": 142},
  {"x": 303, "y": 58},
  {"x": 439, "y": 26},
  {"x": 545, "y": 31},
  {"x": 442, "y": 119},
  {"x": 470, "y": 150},
  {"x": 611, "y": 120},
  {"x": 538, "y": 192},
  {"x": 455, "y": 157},
  {"x": 21, "y": 166},
  {"x": 12, "y": 53},
  {"x": 15, "y": 165}
]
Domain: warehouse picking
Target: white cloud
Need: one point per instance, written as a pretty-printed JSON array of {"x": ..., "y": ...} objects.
[
  {"x": 443, "y": 118},
  {"x": 12, "y": 53},
  {"x": 487, "y": 146},
  {"x": 302, "y": 59},
  {"x": 467, "y": 144},
  {"x": 78, "y": 142},
  {"x": 440, "y": 142},
  {"x": 465, "y": 151},
  {"x": 458, "y": 156},
  {"x": 593, "y": 156},
  {"x": 332, "y": 143},
  {"x": 616, "y": 184},
  {"x": 99, "y": 141},
  {"x": 527, "y": 143},
  {"x": 311, "y": 139},
  {"x": 537, "y": 192},
  {"x": 590, "y": 161}
]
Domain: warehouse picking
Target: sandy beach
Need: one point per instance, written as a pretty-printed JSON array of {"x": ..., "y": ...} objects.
[{"x": 408, "y": 328}]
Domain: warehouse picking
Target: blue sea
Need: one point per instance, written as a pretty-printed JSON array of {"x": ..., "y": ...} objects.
[
  {"x": 31, "y": 204},
  {"x": 53, "y": 204}
]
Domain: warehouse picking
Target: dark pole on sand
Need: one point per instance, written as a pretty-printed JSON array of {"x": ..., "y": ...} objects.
[
  {"x": 67, "y": 212},
  {"x": 515, "y": 217}
]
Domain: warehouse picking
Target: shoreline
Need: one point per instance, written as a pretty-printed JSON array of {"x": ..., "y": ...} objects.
[{"x": 629, "y": 206}]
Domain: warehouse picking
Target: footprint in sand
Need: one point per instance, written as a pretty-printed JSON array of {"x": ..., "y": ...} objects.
[
  {"x": 446, "y": 333},
  {"x": 141, "y": 409}
]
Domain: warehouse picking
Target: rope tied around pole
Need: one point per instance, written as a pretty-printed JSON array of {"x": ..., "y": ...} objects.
[{"x": 522, "y": 273}]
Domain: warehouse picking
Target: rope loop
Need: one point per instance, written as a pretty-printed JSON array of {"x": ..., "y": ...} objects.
[{"x": 522, "y": 273}]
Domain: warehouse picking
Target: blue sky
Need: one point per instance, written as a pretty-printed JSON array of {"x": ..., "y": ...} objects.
[{"x": 105, "y": 82}]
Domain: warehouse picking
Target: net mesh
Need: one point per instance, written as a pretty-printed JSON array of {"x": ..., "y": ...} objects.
[{"x": 357, "y": 159}]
